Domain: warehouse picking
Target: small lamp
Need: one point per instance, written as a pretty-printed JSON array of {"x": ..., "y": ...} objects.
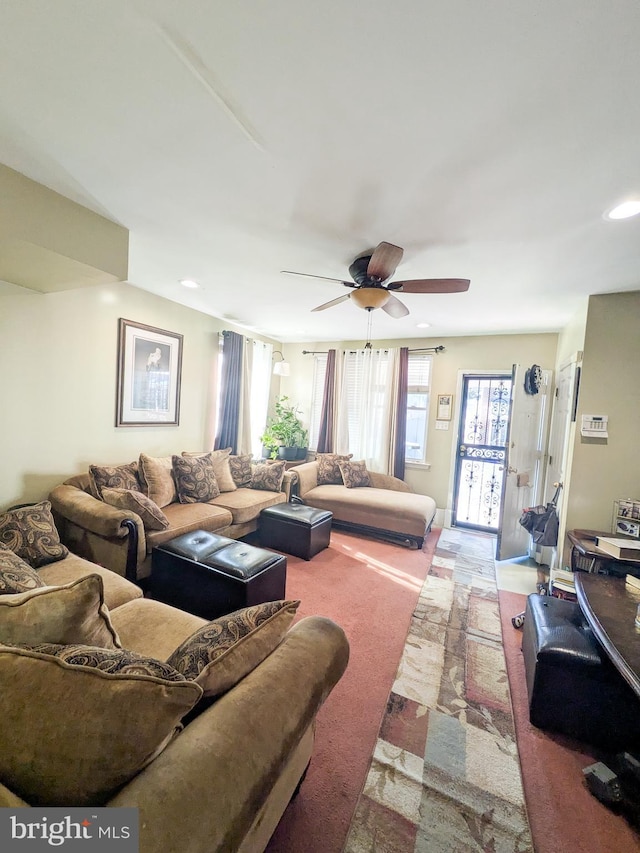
[{"x": 281, "y": 368}]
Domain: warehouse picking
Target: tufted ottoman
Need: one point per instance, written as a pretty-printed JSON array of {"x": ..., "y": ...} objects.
[
  {"x": 295, "y": 529},
  {"x": 573, "y": 687},
  {"x": 210, "y": 575}
]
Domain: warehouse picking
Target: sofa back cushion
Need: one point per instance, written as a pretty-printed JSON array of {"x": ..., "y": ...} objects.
[
  {"x": 115, "y": 711},
  {"x": 73, "y": 613},
  {"x": 15, "y": 574},
  {"x": 30, "y": 532},
  {"x": 156, "y": 475}
]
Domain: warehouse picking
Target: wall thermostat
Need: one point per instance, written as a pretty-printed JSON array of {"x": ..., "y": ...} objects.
[{"x": 595, "y": 426}]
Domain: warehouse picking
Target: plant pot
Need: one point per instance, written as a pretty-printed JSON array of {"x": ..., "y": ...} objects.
[
  {"x": 302, "y": 453},
  {"x": 288, "y": 453}
]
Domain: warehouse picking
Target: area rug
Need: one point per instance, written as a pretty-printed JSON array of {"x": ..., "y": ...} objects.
[{"x": 445, "y": 773}]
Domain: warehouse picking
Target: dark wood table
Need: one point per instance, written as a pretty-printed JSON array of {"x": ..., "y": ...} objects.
[{"x": 610, "y": 607}]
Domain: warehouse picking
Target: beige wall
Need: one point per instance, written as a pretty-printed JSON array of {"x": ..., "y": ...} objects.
[
  {"x": 605, "y": 469},
  {"x": 472, "y": 354},
  {"x": 58, "y": 362}
]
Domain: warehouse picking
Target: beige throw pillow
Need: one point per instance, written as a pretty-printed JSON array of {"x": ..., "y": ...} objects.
[
  {"x": 150, "y": 513},
  {"x": 15, "y": 574},
  {"x": 30, "y": 532},
  {"x": 221, "y": 469},
  {"x": 355, "y": 474},
  {"x": 156, "y": 474},
  {"x": 73, "y": 613},
  {"x": 110, "y": 714},
  {"x": 221, "y": 653}
]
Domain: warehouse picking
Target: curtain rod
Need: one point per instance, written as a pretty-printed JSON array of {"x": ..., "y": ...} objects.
[{"x": 419, "y": 349}]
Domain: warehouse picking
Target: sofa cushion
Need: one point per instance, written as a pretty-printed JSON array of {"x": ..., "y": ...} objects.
[
  {"x": 195, "y": 478},
  {"x": 221, "y": 469},
  {"x": 267, "y": 476},
  {"x": 329, "y": 468},
  {"x": 114, "y": 713},
  {"x": 354, "y": 474},
  {"x": 30, "y": 532},
  {"x": 74, "y": 613},
  {"x": 222, "y": 652},
  {"x": 150, "y": 513},
  {"x": 156, "y": 475},
  {"x": 183, "y": 518},
  {"x": 113, "y": 477},
  {"x": 246, "y": 504},
  {"x": 240, "y": 467},
  {"x": 116, "y": 589},
  {"x": 15, "y": 574},
  {"x": 153, "y": 628}
]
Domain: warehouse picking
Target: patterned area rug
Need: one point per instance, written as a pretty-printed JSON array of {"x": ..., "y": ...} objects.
[{"x": 445, "y": 774}]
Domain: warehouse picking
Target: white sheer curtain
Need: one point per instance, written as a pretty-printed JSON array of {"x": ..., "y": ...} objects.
[
  {"x": 366, "y": 408},
  {"x": 259, "y": 394}
]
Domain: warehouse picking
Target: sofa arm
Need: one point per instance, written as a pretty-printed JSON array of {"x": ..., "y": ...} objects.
[
  {"x": 289, "y": 483},
  {"x": 307, "y": 475},
  {"x": 387, "y": 481},
  {"x": 202, "y": 793},
  {"x": 82, "y": 513}
]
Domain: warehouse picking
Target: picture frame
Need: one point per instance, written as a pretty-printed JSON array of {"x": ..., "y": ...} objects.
[
  {"x": 445, "y": 404},
  {"x": 149, "y": 375}
]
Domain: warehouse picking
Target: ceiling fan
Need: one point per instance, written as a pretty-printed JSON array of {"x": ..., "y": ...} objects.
[{"x": 371, "y": 272}]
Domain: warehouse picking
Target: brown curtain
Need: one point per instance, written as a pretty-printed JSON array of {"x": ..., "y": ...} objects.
[
  {"x": 401, "y": 414},
  {"x": 230, "y": 391},
  {"x": 327, "y": 413}
]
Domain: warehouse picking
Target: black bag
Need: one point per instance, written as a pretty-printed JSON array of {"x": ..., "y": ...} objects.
[{"x": 542, "y": 523}]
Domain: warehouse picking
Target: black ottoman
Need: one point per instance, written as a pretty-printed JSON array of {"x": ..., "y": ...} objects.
[
  {"x": 210, "y": 575},
  {"x": 295, "y": 529},
  {"x": 572, "y": 685}
]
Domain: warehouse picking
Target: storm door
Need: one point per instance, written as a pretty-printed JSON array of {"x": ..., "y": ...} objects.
[{"x": 481, "y": 451}]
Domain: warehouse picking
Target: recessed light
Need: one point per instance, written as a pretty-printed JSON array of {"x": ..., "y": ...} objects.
[
  {"x": 189, "y": 282},
  {"x": 624, "y": 210},
  {"x": 422, "y": 325}
]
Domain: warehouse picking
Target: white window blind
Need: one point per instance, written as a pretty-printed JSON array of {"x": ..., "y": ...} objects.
[
  {"x": 317, "y": 393},
  {"x": 418, "y": 394}
]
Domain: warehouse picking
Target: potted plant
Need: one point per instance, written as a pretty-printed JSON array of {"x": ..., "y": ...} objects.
[{"x": 284, "y": 433}]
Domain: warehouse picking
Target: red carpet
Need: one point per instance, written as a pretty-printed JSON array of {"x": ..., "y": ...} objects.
[
  {"x": 564, "y": 816},
  {"x": 370, "y": 589}
]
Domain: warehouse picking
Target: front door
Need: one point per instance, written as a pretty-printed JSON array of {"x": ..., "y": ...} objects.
[{"x": 481, "y": 451}]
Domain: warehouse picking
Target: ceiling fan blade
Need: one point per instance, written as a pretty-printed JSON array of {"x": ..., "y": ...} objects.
[
  {"x": 332, "y": 303},
  {"x": 325, "y": 277},
  {"x": 395, "y": 308},
  {"x": 432, "y": 285},
  {"x": 384, "y": 261}
]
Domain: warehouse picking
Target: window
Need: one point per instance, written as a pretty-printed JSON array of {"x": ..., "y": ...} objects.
[
  {"x": 419, "y": 382},
  {"x": 317, "y": 393}
]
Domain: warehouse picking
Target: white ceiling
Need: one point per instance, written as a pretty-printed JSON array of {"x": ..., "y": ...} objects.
[{"x": 235, "y": 140}]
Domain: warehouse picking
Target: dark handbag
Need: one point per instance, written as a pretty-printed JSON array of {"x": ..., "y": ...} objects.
[{"x": 542, "y": 523}]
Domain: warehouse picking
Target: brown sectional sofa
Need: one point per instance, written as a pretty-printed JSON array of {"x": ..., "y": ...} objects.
[
  {"x": 386, "y": 509},
  {"x": 118, "y": 539},
  {"x": 223, "y": 782}
]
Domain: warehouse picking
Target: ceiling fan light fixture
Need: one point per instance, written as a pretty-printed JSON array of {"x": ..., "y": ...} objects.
[
  {"x": 370, "y": 298},
  {"x": 625, "y": 210}
]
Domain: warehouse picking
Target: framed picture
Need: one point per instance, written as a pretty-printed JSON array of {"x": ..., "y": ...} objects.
[
  {"x": 444, "y": 407},
  {"x": 149, "y": 368}
]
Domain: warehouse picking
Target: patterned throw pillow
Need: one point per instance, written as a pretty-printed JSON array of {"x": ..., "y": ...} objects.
[
  {"x": 30, "y": 532},
  {"x": 267, "y": 476},
  {"x": 152, "y": 516},
  {"x": 113, "y": 477},
  {"x": 195, "y": 478},
  {"x": 221, "y": 653},
  {"x": 355, "y": 474},
  {"x": 220, "y": 460},
  {"x": 15, "y": 574},
  {"x": 114, "y": 713},
  {"x": 329, "y": 468},
  {"x": 73, "y": 613},
  {"x": 156, "y": 476},
  {"x": 240, "y": 467}
]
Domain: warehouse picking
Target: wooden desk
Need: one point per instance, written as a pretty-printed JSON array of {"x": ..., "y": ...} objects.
[
  {"x": 587, "y": 557},
  {"x": 610, "y": 607}
]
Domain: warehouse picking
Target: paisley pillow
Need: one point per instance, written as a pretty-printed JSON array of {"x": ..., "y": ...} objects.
[
  {"x": 267, "y": 476},
  {"x": 15, "y": 574},
  {"x": 113, "y": 477},
  {"x": 355, "y": 474},
  {"x": 329, "y": 468},
  {"x": 195, "y": 478},
  {"x": 30, "y": 532},
  {"x": 152, "y": 516}
]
